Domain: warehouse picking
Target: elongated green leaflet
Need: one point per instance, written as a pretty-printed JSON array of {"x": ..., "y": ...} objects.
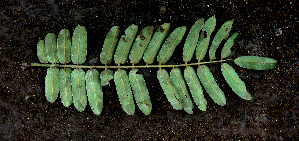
[
  {"x": 41, "y": 52},
  {"x": 222, "y": 34},
  {"x": 64, "y": 46},
  {"x": 156, "y": 43},
  {"x": 65, "y": 86},
  {"x": 180, "y": 85},
  {"x": 79, "y": 45},
  {"x": 94, "y": 91},
  {"x": 192, "y": 40},
  {"x": 170, "y": 44},
  {"x": 207, "y": 80},
  {"x": 255, "y": 62},
  {"x": 141, "y": 42},
  {"x": 109, "y": 45},
  {"x": 169, "y": 89},
  {"x": 124, "y": 92},
  {"x": 51, "y": 48},
  {"x": 125, "y": 44},
  {"x": 79, "y": 89},
  {"x": 140, "y": 91},
  {"x": 52, "y": 84},
  {"x": 204, "y": 39},
  {"x": 106, "y": 75},
  {"x": 233, "y": 80},
  {"x": 228, "y": 45},
  {"x": 195, "y": 88}
]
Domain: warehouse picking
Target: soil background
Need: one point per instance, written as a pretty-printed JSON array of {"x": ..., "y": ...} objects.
[{"x": 266, "y": 28}]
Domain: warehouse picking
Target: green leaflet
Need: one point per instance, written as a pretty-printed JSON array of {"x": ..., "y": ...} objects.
[
  {"x": 124, "y": 92},
  {"x": 106, "y": 75},
  {"x": 64, "y": 46},
  {"x": 79, "y": 89},
  {"x": 210, "y": 85},
  {"x": 79, "y": 45},
  {"x": 109, "y": 45},
  {"x": 65, "y": 86},
  {"x": 125, "y": 44},
  {"x": 203, "y": 42},
  {"x": 140, "y": 44},
  {"x": 255, "y": 62},
  {"x": 222, "y": 34},
  {"x": 41, "y": 52},
  {"x": 228, "y": 45},
  {"x": 140, "y": 92},
  {"x": 156, "y": 42},
  {"x": 51, "y": 48},
  {"x": 169, "y": 89},
  {"x": 180, "y": 85},
  {"x": 170, "y": 44},
  {"x": 233, "y": 80},
  {"x": 192, "y": 40},
  {"x": 94, "y": 91},
  {"x": 195, "y": 88},
  {"x": 52, "y": 84}
]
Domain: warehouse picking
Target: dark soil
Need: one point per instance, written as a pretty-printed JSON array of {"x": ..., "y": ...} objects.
[{"x": 273, "y": 114}]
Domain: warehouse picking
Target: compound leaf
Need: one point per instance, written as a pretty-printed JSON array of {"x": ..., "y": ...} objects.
[
  {"x": 109, "y": 45},
  {"x": 124, "y": 92},
  {"x": 233, "y": 80},
  {"x": 105, "y": 76},
  {"x": 79, "y": 45},
  {"x": 79, "y": 89},
  {"x": 140, "y": 91},
  {"x": 125, "y": 44},
  {"x": 94, "y": 91},
  {"x": 65, "y": 86},
  {"x": 156, "y": 42},
  {"x": 141, "y": 42},
  {"x": 170, "y": 44},
  {"x": 227, "y": 46},
  {"x": 255, "y": 62},
  {"x": 191, "y": 40},
  {"x": 222, "y": 34},
  {"x": 52, "y": 84},
  {"x": 195, "y": 88},
  {"x": 180, "y": 85},
  {"x": 64, "y": 46},
  {"x": 51, "y": 47},
  {"x": 169, "y": 89},
  {"x": 210, "y": 85},
  {"x": 41, "y": 52}
]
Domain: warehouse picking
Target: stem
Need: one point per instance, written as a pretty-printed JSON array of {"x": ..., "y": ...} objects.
[{"x": 109, "y": 67}]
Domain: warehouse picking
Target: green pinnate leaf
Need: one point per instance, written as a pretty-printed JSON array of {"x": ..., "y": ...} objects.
[
  {"x": 65, "y": 86},
  {"x": 94, "y": 91},
  {"x": 124, "y": 92},
  {"x": 79, "y": 89},
  {"x": 79, "y": 45},
  {"x": 156, "y": 43},
  {"x": 105, "y": 76},
  {"x": 169, "y": 89},
  {"x": 207, "y": 80},
  {"x": 51, "y": 48},
  {"x": 140, "y": 91},
  {"x": 125, "y": 44},
  {"x": 233, "y": 80},
  {"x": 41, "y": 52},
  {"x": 195, "y": 88},
  {"x": 109, "y": 45},
  {"x": 180, "y": 85},
  {"x": 192, "y": 40},
  {"x": 170, "y": 44},
  {"x": 64, "y": 46},
  {"x": 255, "y": 62},
  {"x": 141, "y": 42},
  {"x": 228, "y": 45},
  {"x": 52, "y": 84}
]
